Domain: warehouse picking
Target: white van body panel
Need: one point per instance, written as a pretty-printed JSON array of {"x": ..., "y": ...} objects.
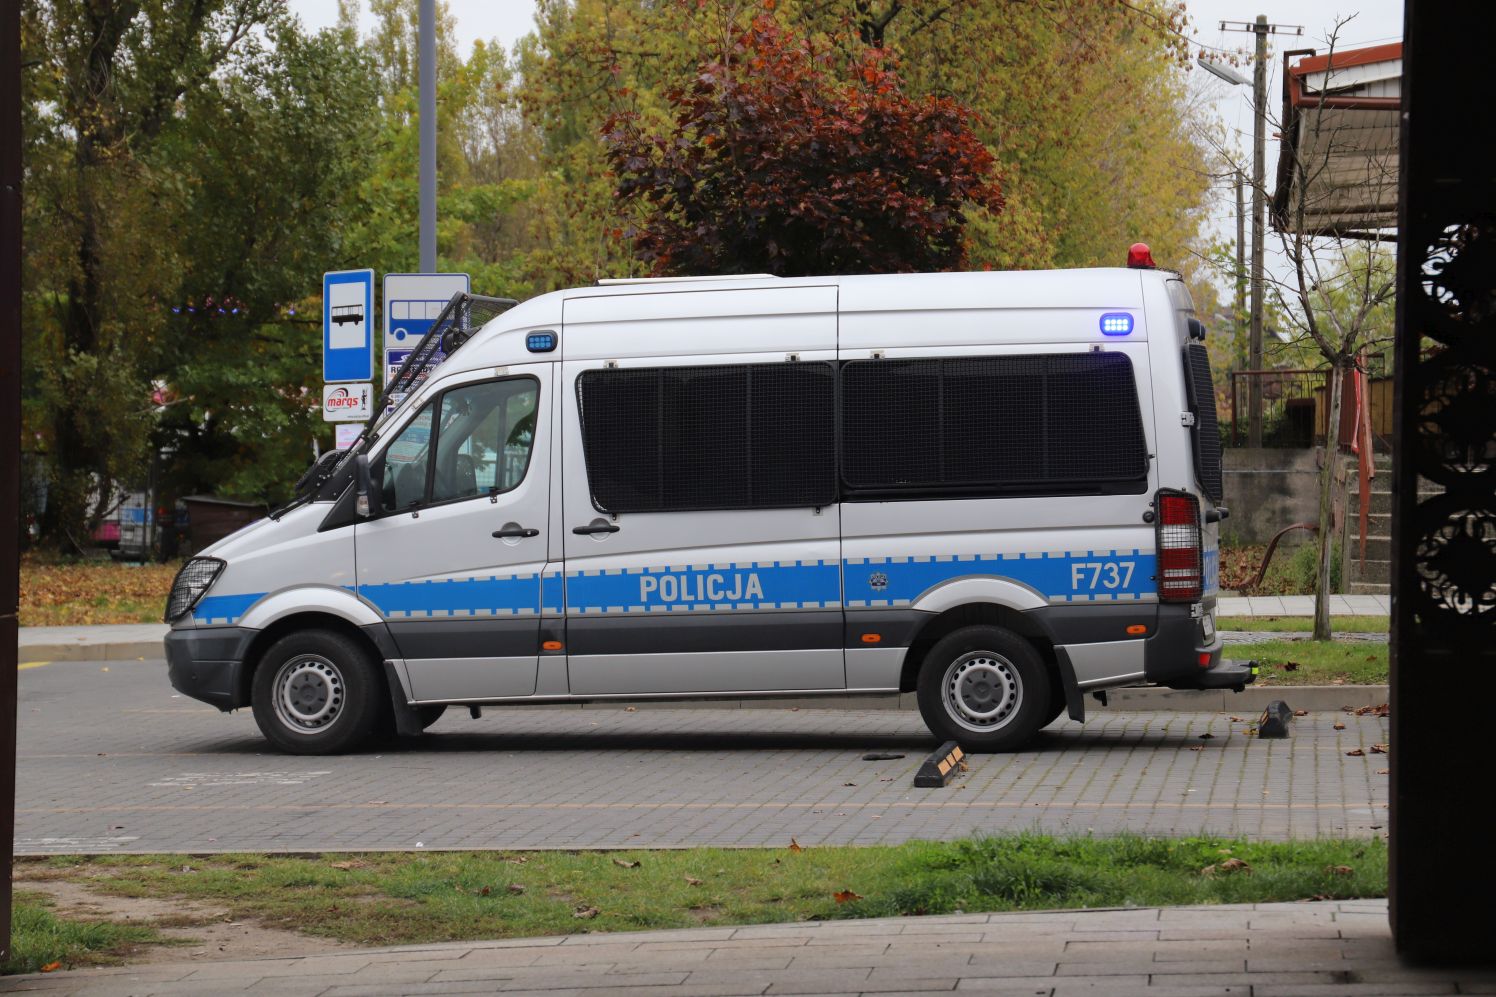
[
  {"x": 755, "y": 600},
  {"x": 273, "y": 566}
]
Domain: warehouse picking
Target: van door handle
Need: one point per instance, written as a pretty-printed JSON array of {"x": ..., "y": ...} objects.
[
  {"x": 584, "y": 531},
  {"x": 515, "y": 532}
]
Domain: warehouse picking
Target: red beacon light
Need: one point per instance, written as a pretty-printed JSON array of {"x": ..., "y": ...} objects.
[{"x": 1140, "y": 257}]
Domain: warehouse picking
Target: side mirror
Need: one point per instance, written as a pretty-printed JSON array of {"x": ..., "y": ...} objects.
[{"x": 361, "y": 477}]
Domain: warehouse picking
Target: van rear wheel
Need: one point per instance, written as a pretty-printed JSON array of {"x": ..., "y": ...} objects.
[
  {"x": 985, "y": 688},
  {"x": 316, "y": 693}
]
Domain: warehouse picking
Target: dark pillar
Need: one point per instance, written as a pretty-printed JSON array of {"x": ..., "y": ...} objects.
[
  {"x": 1444, "y": 548},
  {"x": 10, "y": 428}
]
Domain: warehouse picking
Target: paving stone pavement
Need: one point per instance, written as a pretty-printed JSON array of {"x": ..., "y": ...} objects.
[
  {"x": 110, "y": 759},
  {"x": 1263, "y": 950}
]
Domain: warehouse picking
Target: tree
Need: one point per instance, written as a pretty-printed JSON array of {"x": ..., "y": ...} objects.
[
  {"x": 1082, "y": 103},
  {"x": 103, "y": 83},
  {"x": 771, "y": 165},
  {"x": 1336, "y": 295}
]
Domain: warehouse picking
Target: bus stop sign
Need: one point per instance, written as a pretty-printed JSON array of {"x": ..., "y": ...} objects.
[{"x": 347, "y": 321}]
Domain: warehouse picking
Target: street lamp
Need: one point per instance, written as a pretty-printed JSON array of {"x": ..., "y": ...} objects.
[{"x": 1224, "y": 72}]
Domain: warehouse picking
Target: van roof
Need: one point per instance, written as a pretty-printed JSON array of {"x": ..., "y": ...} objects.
[{"x": 879, "y": 292}]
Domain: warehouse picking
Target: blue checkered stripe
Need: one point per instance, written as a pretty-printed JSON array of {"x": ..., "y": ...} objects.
[
  {"x": 1058, "y": 576},
  {"x": 531, "y": 594},
  {"x": 224, "y": 608},
  {"x": 706, "y": 588}
]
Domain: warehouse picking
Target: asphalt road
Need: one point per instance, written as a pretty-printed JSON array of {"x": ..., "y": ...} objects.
[{"x": 111, "y": 759}]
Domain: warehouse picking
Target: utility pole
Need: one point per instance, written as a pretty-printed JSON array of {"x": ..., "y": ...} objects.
[
  {"x": 427, "y": 46},
  {"x": 10, "y": 432},
  {"x": 1238, "y": 317},
  {"x": 1261, "y": 28}
]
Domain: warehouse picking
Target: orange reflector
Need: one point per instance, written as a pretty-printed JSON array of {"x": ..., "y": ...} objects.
[
  {"x": 1204, "y": 659},
  {"x": 551, "y": 645},
  {"x": 871, "y": 638},
  {"x": 1138, "y": 628}
]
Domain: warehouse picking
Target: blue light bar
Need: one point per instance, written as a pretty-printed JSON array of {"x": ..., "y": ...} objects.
[
  {"x": 1116, "y": 324},
  {"x": 540, "y": 342}
]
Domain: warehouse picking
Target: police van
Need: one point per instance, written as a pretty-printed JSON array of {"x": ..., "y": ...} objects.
[{"x": 1000, "y": 491}]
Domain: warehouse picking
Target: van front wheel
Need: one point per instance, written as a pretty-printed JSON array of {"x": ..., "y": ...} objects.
[
  {"x": 985, "y": 688},
  {"x": 316, "y": 693}
]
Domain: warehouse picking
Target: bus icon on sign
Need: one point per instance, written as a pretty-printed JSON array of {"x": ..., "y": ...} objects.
[
  {"x": 342, "y": 314},
  {"x": 410, "y": 320}
]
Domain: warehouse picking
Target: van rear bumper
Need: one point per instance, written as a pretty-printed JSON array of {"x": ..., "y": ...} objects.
[
  {"x": 1097, "y": 652},
  {"x": 207, "y": 663}
]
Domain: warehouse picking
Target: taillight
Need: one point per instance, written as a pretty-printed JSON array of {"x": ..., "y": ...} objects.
[{"x": 1180, "y": 568}]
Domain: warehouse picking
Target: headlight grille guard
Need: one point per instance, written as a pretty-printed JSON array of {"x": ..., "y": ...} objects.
[{"x": 192, "y": 582}]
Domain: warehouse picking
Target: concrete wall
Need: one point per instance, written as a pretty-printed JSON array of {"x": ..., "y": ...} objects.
[{"x": 1267, "y": 490}]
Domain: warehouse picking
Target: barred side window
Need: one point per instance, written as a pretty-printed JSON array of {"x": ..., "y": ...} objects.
[
  {"x": 1057, "y": 423},
  {"x": 735, "y": 436}
]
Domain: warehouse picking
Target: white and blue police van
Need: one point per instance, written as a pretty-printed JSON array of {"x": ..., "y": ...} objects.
[{"x": 1000, "y": 491}]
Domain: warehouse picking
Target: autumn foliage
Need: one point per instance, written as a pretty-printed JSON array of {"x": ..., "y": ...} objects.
[{"x": 773, "y": 164}]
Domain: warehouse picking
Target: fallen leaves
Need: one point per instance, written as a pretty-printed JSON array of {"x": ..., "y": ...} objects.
[
  {"x": 845, "y": 896},
  {"x": 516, "y": 888},
  {"x": 81, "y": 593},
  {"x": 626, "y": 863},
  {"x": 1384, "y": 771},
  {"x": 1379, "y": 749},
  {"x": 1341, "y": 870},
  {"x": 1356, "y": 753},
  {"x": 692, "y": 881},
  {"x": 1380, "y": 710},
  {"x": 1228, "y": 866},
  {"x": 1338, "y": 725},
  {"x": 1301, "y": 713},
  {"x": 795, "y": 847},
  {"x": 51, "y": 967},
  {"x": 585, "y": 913},
  {"x": 1206, "y": 736}
]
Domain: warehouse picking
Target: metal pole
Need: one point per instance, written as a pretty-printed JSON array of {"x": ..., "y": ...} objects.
[
  {"x": 427, "y": 45},
  {"x": 1259, "y": 155},
  {"x": 1239, "y": 319},
  {"x": 10, "y": 431}
]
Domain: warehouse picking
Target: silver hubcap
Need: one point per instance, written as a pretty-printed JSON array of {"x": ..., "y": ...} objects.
[
  {"x": 309, "y": 693},
  {"x": 982, "y": 691}
]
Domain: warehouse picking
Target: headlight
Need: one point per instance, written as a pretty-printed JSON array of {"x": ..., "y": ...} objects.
[{"x": 195, "y": 578}]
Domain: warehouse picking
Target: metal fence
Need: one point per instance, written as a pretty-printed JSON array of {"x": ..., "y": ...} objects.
[{"x": 1294, "y": 406}]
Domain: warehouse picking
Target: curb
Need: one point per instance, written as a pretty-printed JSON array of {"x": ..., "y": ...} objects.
[{"x": 111, "y": 651}]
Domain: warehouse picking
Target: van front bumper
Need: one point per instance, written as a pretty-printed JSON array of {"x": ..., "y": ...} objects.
[{"x": 207, "y": 664}]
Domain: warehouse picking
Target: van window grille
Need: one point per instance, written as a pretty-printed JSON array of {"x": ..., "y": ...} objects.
[
  {"x": 1033, "y": 424},
  {"x": 739, "y": 436},
  {"x": 1206, "y": 434}
]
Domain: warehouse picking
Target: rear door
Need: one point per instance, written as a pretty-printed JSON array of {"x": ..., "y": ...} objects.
[
  {"x": 454, "y": 559},
  {"x": 700, "y": 521}
]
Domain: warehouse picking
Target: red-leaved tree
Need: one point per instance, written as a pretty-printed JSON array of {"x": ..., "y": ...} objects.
[{"x": 774, "y": 165}]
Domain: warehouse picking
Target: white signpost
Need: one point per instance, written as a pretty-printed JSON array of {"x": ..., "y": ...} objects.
[{"x": 347, "y": 402}]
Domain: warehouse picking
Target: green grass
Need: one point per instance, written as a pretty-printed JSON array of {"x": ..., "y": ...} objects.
[
  {"x": 404, "y": 898},
  {"x": 1304, "y": 624},
  {"x": 38, "y": 938},
  {"x": 1310, "y": 662}
]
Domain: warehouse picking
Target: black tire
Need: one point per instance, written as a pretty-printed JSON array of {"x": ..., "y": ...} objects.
[
  {"x": 999, "y": 681},
  {"x": 330, "y": 690}
]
